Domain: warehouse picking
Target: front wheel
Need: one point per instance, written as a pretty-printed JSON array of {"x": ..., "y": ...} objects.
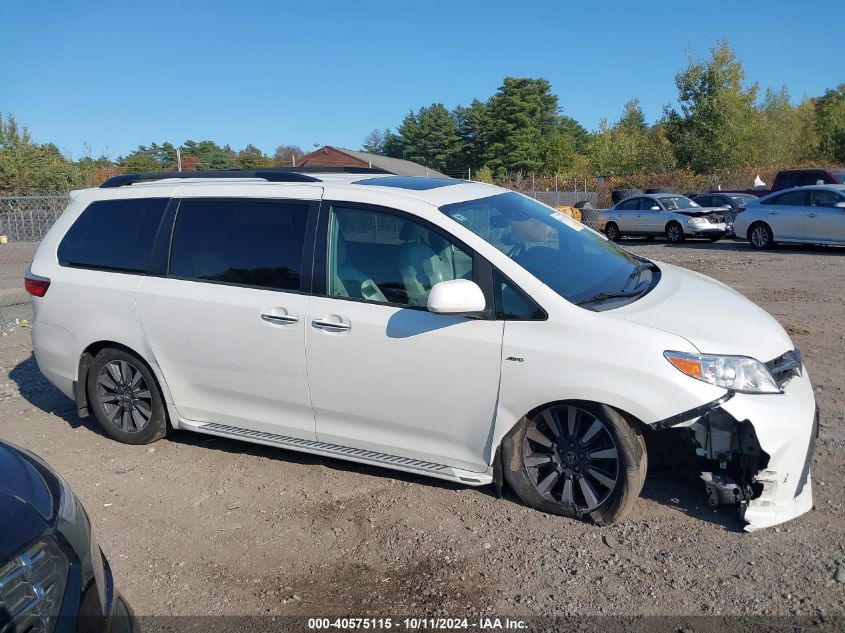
[
  {"x": 674, "y": 233},
  {"x": 612, "y": 232},
  {"x": 578, "y": 460}
]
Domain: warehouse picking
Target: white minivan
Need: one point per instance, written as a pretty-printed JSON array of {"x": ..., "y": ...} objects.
[{"x": 442, "y": 327}]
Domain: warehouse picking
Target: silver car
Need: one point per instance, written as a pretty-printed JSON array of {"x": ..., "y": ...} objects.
[
  {"x": 803, "y": 215},
  {"x": 673, "y": 215}
]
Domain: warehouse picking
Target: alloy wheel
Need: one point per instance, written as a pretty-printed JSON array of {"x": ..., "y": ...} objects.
[
  {"x": 673, "y": 233},
  {"x": 125, "y": 396},
  {"x": 760, "y": 236},
  {"x": 571, "y": 457},
  {"x": 611, "y": 232}
]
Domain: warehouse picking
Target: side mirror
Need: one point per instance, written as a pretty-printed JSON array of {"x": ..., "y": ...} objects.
[
  {"x": 726, "y": 207},
  {"x": 840, "y": 205},
  {"x": 655, "y": 208},
  {"x": 456, "y": 297}
]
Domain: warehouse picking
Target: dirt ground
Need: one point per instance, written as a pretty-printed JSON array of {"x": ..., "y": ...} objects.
[{"x": 199, "y": 525}]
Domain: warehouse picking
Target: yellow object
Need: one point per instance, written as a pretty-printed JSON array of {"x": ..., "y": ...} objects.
[
  {"x": 572, "y": 212},
  {"x": 4, "y": 239}
]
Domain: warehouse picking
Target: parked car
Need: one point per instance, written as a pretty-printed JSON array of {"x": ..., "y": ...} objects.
[
  {"x": 728, "y": 201},
  {"x": 673, "y": 215},
  {"x": 805, "y": 215},
  {"x": 51, "y": 567},
  {"x": 436, "y": 326}
]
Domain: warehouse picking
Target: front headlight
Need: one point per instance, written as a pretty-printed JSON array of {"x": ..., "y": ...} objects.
[
  {"x": 32, "y": 585},
  {"x": 697, "y": 221},
  {"x": 737, "y": 373}
]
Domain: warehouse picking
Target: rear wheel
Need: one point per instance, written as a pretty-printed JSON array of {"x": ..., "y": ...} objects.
[
  {"x": 577, "y": 460},
  {"x": 674, "y": 233},
  {"x": 761, "y": 236},
  {"x": 125, "y": 399},
  {"x": 611, "y": 230}
]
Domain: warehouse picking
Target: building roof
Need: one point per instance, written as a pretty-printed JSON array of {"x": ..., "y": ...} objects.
[{"x": 397, "y": 166}]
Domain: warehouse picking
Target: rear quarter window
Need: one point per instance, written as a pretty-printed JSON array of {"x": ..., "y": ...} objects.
[{"x": 113, "y": 235}]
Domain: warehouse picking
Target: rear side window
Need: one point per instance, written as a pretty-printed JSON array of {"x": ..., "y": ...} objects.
[
  {"x": 790, "y": 198},
  {"x": 243, "y": 242},
  {"x": 629, "y": 205},
  {"x": 113, "y": 235},
  {"x": 789, "y": 179}
]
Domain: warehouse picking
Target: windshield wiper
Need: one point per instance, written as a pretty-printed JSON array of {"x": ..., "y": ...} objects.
[
  {"x": 638, "y": 269},
  {"x": 604, "y": 296}
]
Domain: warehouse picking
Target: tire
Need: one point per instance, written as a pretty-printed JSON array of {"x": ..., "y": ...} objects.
[
  {"x": 760, "y": 236},
  {"x": 583, "y": 204},
  {"x": 660, "y": 190},
  {"x": 122, "y": 387},
  {"x": 617, "y": 195},
  {"x": 561, "y": 479},
  {"x": 611, "y": 230},
  {"x": 674, "y": 233}
]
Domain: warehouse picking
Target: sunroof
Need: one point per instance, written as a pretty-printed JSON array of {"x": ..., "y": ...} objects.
[{"x": 406, "y": 182}]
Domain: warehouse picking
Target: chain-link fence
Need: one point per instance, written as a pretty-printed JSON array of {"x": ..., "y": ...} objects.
[{"x": 23, "y": 223}]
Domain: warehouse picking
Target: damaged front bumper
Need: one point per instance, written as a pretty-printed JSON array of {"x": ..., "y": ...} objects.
[{"x": 758, "y": 450}]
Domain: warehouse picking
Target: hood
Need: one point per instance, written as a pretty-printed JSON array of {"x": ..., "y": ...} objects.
[
  {"x": 709, "y": 314},
  {"x": 27, "y": 506},
  {"x": 700, "y": 211}
]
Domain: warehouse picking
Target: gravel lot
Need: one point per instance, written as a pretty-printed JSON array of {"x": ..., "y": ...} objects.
[{"x": 198, "y": 525}]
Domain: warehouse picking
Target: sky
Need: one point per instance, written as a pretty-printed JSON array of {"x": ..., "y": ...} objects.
[{"x": 113, "y": 75}]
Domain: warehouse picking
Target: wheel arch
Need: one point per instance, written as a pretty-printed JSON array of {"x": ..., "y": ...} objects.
[{"x": 80, "y": 385}]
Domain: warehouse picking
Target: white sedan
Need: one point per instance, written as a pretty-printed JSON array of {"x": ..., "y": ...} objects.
[{"x": 805, "y": 215}]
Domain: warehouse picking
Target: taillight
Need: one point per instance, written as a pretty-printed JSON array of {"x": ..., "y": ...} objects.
[
  {"x": 35, "y": 285},
  {"x": 740, "y": 209}
]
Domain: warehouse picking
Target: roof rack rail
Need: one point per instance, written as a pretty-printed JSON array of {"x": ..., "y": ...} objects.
[{"x": 275, "y": 174}]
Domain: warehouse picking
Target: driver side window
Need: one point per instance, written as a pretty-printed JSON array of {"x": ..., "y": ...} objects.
[{"x": 386, "y": 258}]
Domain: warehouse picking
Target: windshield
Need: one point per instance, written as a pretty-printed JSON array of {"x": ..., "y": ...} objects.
[
  {"x": 741, "y": 199},
  {"x": 673, "y": 203},
  {"x": 839, "y": 175},
  {"x": 576, "y": 262}
]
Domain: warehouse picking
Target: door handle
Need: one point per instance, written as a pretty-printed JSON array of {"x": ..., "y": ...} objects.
[
  {"x": 811, "y": 215},
  {"x": 773, "y": 212},
  {"x": 279, "y": 319},
  {"x": 332, "y": 326}
]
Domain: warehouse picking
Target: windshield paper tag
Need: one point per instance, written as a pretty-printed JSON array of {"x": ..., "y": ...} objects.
[
  {"x": 460, "y": 218},
  {"x": 565, "y": 219}
]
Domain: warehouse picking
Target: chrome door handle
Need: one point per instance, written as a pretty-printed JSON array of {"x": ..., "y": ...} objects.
[
  {"x": 330, "y": 325},
  {"x": 279, "y": 319}
]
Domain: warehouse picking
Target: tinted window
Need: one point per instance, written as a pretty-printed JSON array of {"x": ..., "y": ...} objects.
[
  {"x": 814, "y": 178},
  {"x": 113, "y": 235},
  {"x": 792, "y": 198},
  {"x": 245, "y": 242},
  {"x": 647, "y": 203},
  {"x": 787, "y": 180},
  {"x": 512, "y": 303},
  {"x": 386, "y": 258},
  {"x": 825, "y": 198},
  {"x": 707, "y": 201},
  {"x": 629, "y": 205}
]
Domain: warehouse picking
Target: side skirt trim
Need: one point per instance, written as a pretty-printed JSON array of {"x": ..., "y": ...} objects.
[{"x": 348, "y": 453}]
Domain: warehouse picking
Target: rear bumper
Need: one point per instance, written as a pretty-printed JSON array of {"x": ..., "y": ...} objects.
[{"x": 786, "y": 426}]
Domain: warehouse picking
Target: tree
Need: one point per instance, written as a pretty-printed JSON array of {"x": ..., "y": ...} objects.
[
  {"x": 520, "y": 114},
  {"x": 784, "y": 134},
  {"x": 714, "y": 129},
  {"x": 251, "y": 157},
  {"x": 210, "y": 154},
  {"x": 374, "y": 141},
  {"x": 429, "y": 137},
  {"x": 830, "y": 124},
  {"x": 139, "y": 163},
  {"x": 474, "y": 131},
  {"x": 285, "y": 155}
]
